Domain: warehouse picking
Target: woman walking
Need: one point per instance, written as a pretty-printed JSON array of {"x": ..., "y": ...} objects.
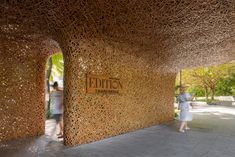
[
  {"x": 57, "y": 96},
  {"x": 184, "y": 103}
]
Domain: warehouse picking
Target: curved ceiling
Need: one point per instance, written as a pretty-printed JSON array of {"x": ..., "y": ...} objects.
[{"x": 181, "y": 33}]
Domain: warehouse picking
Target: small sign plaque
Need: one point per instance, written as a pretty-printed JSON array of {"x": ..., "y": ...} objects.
[{"x": 102, "y": 84}]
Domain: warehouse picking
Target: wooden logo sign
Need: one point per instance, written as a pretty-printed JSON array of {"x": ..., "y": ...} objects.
[{"x": 102, "y": 84}]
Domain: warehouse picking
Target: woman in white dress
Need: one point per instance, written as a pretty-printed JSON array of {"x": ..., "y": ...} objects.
[
  {"x": 57, "y": 97},
  {"x": 184, "y": 105}
]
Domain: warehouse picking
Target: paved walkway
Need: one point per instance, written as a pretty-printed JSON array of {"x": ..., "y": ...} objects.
[{"x": 212, "y": 134}]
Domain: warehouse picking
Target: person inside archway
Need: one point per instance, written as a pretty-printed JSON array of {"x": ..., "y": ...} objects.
[
  {"x": 57, "y": 96},
  {"x": 184, "y": 104}
]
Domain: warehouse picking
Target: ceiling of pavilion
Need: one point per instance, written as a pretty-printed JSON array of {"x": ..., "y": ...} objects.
[{"x": 181, "y": 32}]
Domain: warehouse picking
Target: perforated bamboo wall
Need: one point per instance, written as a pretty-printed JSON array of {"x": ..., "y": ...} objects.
[
  {"x": 145, "y": 99},
  {"x": 22, "y": 93}
]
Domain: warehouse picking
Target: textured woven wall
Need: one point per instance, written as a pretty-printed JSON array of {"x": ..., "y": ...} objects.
[
  {"x": 145, "y": 100},
  {"x": 21, "y": 94}
]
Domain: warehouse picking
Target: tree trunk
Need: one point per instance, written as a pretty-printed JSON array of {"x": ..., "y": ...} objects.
[
  {"x": 212, "y": 93},
  {"x": 48, "y": 74},
  {"x": 206, "y": 92}
]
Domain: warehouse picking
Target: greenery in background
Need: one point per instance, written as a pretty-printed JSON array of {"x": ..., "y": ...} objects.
[
  {"x": 226, "y": 85},
  {"x": 48, "y": 114},
  {"x": 210, "y": 81},
  {"x": 176, "y": 113},
  {"x": 57, "y": 70},
  {"x": 196, "y": 91},
  {"x": 57, "y": 66}
]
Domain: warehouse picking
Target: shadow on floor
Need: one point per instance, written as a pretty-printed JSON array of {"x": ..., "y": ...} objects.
[
  {"x": 34, "y": 146},
  {"x": 212, "y": 134}
]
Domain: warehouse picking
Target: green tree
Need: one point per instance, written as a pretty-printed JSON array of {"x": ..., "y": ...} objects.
[
  {"x": 226, "y": 85},
  {"x": 207, "y": 78},
  {"x": 57, "y": 66},
  {"x": 214, "y": 79}
]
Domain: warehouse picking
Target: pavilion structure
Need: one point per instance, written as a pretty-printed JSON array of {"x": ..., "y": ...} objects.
[{"x": 121, "y": 60}]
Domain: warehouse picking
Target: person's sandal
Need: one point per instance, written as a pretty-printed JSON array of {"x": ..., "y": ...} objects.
[{"x": 182, "y": 131}]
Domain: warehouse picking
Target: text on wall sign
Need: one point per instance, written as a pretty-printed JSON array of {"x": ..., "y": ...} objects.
[{"x": 102, "y": 84}]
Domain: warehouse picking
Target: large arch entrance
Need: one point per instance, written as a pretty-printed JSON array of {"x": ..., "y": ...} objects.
[
  {"x": 54, "y": 99},
  {"x": 23, "y": 64}
]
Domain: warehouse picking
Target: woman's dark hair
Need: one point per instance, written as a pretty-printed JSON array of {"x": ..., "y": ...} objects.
[{"x": 55, "y": 84}]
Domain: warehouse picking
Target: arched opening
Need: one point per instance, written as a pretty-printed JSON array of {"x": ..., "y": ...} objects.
[
  {"x": 23, "y": 63},
  {"x": 54, "y": 74}
]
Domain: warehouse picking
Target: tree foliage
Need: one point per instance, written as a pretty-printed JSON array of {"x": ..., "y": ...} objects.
[
  {"x": 213, "y": 80},
  {"x": 57, "y": 67}
]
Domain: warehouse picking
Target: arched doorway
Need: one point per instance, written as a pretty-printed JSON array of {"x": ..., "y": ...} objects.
[{"x": 54, "y": 75}]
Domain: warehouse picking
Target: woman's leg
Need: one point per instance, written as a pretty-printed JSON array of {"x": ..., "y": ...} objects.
[
  {"x": 182, "y": 125},
  {"x": 186, "y": 126},
  {"x": 61, "y": 125}
]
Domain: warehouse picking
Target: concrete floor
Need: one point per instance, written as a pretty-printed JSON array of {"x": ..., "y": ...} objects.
[{"x": 212, "y": 134}]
